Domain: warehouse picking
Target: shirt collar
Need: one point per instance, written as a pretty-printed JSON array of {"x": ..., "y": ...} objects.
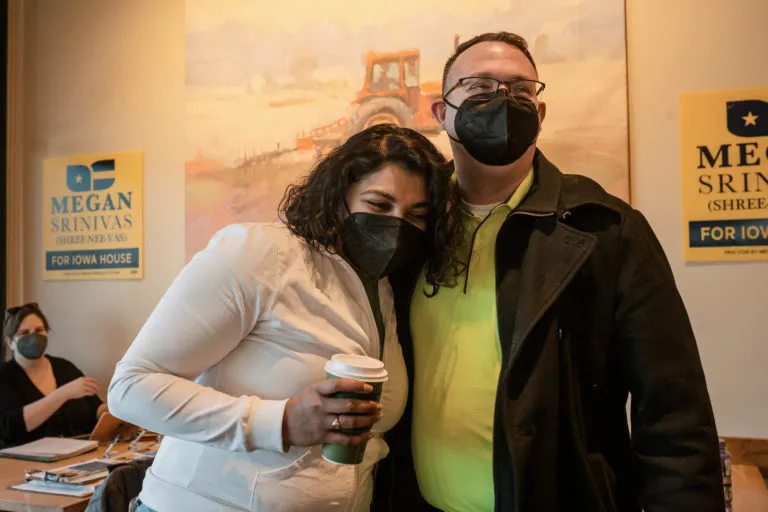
[{"x": 510, "y": 204}]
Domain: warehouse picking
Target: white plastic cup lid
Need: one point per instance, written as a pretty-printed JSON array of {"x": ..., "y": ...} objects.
[{"x": 353, "y": 366}]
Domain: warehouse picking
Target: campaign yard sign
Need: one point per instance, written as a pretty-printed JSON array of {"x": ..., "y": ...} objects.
[
  {"x": 93, "y": 217},
  {"x": 724, "y": 153}
]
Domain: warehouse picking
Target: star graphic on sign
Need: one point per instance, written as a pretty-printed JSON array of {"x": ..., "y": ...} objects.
[
  {"x": 79, "y": 178},
  {"x": 750, "y": 119}
]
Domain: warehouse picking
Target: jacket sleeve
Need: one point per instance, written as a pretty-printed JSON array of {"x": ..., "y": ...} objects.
[
  {"x": 12, "y": 425},
  {"x": 213, "y": 304},
  {"x": 674, "y": 437}
]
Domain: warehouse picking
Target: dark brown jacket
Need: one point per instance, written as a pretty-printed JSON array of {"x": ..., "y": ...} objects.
[{"x": 598, "y": 319}]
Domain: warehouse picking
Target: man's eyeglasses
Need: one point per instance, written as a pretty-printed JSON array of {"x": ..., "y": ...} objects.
[{"x": 485, "y": 88}]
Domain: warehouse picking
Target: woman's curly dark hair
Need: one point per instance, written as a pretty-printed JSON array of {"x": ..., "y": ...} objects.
[{"x": 314, "y": 208}]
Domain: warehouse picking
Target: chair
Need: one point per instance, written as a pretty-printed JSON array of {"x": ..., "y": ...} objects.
[{"x": 119, "y": 489}]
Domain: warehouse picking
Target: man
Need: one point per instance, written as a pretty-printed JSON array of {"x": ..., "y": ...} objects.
[{"x": 521, "y": 373}]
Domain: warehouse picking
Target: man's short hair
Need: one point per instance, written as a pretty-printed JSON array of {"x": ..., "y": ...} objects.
[{"x": 503, "y": 37}]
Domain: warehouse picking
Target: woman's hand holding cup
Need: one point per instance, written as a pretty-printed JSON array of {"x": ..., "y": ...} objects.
[{"x": 315, "y": 417}]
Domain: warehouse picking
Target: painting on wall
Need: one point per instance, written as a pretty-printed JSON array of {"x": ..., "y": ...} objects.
[{"x": 272, "y": 86}]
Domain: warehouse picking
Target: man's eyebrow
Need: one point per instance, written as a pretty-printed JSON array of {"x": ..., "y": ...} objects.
[{"x": 486, "y": 74}]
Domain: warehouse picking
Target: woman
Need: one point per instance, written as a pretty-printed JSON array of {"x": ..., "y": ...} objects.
[
  {"x": 229, "y": 366},
  {"x": 41, "y": 395}
]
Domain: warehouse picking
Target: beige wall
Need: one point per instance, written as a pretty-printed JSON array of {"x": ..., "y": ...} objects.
[
  {"x": 109, "y": 75},
  {"x": 695, "y": 45},
  {"x": 102, "y": 76}
]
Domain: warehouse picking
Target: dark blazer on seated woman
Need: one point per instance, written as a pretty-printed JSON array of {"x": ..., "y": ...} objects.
[{"x": 41, "y": 395}]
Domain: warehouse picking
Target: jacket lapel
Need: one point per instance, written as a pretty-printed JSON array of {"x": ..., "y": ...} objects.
[{"x": 554, "y": 255}]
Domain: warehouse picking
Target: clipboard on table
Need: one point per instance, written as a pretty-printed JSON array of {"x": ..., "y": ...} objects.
[
  {"x": 49, "y": 449},
  {"x": 109, "y": 428}
]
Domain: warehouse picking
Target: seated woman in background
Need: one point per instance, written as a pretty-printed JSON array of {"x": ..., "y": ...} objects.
[
  {"x": 41, "y": 395},
  {"x": 229, "y": 366}
]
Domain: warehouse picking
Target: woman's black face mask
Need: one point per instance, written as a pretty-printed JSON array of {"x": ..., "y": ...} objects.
[{"x": 380, "y": 244}]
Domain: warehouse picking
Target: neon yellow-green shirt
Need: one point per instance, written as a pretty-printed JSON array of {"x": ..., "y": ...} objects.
[{"x": 457, "y": 362}]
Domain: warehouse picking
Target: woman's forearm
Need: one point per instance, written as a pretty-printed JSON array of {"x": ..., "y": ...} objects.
[
  {"x": 37, "y": 413},
  {"x": 140, "y": 393}
]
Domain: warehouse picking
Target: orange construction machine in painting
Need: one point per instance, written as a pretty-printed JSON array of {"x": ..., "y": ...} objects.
[{"x": 391, "y": 93}]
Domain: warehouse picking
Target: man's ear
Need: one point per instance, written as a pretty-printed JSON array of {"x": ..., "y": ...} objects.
[
  {"x": 542, "y": 112},
  {"x": 438, "y": 112}
]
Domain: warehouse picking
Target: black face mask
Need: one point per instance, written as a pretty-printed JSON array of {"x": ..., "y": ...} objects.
[
  {"x": 379, "y": 244},
  {"x": 496, "y": 131},
  {"x": 32, "y": 345}
]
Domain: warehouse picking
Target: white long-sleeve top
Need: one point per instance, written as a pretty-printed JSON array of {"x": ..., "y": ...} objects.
[{"x": 247, "y": 324}]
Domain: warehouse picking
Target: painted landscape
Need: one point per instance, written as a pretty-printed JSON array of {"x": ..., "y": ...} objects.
[{"x": 271, "y": 89}]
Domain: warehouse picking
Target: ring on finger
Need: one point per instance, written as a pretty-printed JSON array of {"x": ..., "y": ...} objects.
[{"x": 336, "y": 424}]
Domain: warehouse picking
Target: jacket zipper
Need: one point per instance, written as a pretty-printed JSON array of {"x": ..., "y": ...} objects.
[
  {"x": 532, "y": 214},
  {"x": 380, "y": 346},
  {"x": 505, "y": 378},
  {"x": 352, "y": 505}
]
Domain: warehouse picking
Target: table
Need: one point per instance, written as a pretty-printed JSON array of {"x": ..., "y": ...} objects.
[
  {"x": 12, "y": 473},
  {"x": 750, "y": 493}
]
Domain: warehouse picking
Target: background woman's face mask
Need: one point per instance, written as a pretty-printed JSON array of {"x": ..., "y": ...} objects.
[
  {"x": 32, "y": 345},
  {"x": 496, "y": 131}
]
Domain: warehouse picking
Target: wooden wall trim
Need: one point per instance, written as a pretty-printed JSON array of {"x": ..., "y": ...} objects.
[{"x": 15, "y": 155}]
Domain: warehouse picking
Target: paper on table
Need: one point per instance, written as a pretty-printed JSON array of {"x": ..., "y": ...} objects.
[
  {"x": 50, "y": 449},
  {"x": 79, "y": 491}
]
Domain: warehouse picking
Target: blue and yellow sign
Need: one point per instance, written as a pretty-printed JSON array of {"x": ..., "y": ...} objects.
[
  {"x": 724, "y": 149},
  {"x": 93, "y": 217}
]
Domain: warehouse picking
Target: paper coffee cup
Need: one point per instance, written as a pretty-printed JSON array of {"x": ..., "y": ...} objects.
[{"x": 355, "y": 367}]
